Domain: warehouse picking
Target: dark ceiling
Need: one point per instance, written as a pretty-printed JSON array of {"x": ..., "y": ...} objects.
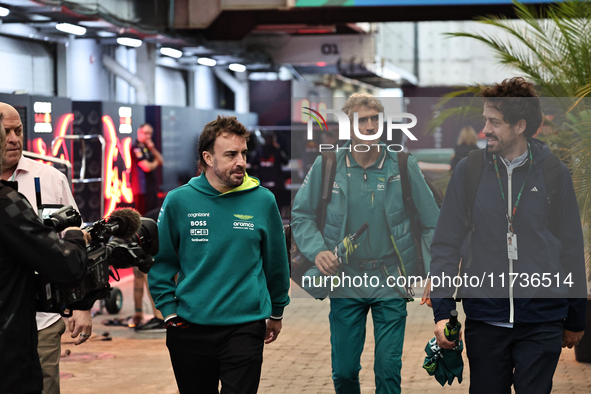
[{"x": 235, "y": 25}]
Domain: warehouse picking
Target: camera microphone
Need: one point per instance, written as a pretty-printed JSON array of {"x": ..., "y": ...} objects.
[{"x": 123, "y": 223}]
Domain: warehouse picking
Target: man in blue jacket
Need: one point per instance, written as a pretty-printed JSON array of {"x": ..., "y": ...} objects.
[
  {"x": 514, "y": 328},
  {"x": 367, "y": 188}
]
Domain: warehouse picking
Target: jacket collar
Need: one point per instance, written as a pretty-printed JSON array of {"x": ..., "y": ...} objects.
[
  {"x": 540, "y": 151},
  {"x": 343, "y": 157},
  {"x": 22, "y": 166},
  {"x": 380, "y": 163}
]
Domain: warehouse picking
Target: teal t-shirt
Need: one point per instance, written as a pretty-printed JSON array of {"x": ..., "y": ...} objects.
[{"x": 367, "y": 188}]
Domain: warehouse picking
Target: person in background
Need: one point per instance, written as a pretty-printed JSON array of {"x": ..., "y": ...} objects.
[
  {"x": 146, "y": 159},
  {"x": 156, "y": 323},
  {"x": 466, "y": 143},
  {"x": 268, "y": 161}
]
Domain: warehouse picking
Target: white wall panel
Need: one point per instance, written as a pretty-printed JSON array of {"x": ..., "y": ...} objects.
[
  {"x": 43, "y": 74},
  {"x": 171, "y": 88},
  {"x": 443, "y": 61},
  {"x": 127, "y": 57},
  {"x": 88, "y": 80},
  {"x": 26, "y": 65},
  {"x": 205, "y": 89}
]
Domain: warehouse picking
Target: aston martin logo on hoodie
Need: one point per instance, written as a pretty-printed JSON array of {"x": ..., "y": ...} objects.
[{"x": 243, "y": 223}]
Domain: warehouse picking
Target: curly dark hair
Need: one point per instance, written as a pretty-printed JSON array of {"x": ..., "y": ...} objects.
[
  {"x": 516, "y": 99},
  {"x": 223, "y": 124}
]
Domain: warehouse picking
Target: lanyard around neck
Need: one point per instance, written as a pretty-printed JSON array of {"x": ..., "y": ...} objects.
[{"x": 512, "y": 214}]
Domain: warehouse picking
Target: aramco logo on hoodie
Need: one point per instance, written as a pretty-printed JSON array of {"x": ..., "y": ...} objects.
[{"x": 243, "y": 223}]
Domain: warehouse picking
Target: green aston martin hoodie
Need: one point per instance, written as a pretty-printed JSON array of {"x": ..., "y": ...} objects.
[{"x": 229, "y": 251}]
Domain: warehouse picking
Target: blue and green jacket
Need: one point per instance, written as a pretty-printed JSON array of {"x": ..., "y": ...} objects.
[
  {"x": 228, "y": 250},
  {"x": 307, "y": 201}
]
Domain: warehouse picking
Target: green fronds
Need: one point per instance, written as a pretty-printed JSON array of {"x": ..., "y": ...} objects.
[{"x": 552, "y": 46}]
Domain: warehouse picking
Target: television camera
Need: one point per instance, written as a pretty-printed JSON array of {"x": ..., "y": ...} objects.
[{"x": 122, "y": 240}]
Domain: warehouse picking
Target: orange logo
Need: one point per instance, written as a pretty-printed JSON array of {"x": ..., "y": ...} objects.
[{"x": 117, "y": 186}]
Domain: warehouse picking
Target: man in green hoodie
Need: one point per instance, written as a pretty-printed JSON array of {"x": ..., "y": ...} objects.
[{"x": 223, "y": 235}]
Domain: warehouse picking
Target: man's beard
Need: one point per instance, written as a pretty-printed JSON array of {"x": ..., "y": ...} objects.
[
  {"x": 226, "y": 177},
  {"x": 505, "y": 146}
]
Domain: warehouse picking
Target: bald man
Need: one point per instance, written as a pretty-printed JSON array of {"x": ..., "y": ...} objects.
[{"x": 55, "y": 189}]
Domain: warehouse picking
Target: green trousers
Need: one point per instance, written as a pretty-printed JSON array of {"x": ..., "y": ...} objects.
[{"x": 348, "y": 318}]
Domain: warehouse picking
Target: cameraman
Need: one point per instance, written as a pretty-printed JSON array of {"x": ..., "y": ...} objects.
[
  {"x": 26, "y": 246},
  {"x": 54, "y": 190}
]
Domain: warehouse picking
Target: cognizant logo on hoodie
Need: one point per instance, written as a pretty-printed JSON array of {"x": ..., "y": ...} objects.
[{"x": 198, "y": 232}]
